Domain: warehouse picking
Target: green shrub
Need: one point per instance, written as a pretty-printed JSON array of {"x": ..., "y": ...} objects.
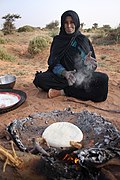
[
  {"x": 26, "y": 29},
  {"x": 2, "y": 40},
  {"x": 114, "y": 35},
  {"x": 111, "y": 36},
  {"x": 8, "y": 26},
  {"x": 37, "y": 44},
  {"x": 53, "y": 25},
  {"x": 54, "y": 32},
  {"x": 5, "y": 56},
  {"x": 1, "y": 33}
]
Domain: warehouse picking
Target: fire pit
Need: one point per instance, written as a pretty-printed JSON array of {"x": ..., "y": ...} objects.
[{"x": 100, "y": 145}]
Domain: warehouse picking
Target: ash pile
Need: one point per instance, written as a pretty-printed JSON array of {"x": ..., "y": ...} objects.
[{"x": 99, "y": 156}]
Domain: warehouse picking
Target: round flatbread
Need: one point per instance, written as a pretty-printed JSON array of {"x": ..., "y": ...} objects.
[{"x": 60, "y": 134}]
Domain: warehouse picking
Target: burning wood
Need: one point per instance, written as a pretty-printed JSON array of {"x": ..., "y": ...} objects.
[
  {"x": 70, "y": 158},
  {"x": 77, "y": 145}
]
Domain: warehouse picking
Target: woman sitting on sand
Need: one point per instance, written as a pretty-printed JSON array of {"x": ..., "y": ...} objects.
[{"x": 72, "y": 64}]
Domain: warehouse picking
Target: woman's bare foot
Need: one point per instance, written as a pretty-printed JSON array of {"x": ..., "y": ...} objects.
[{"x": 55, "y": 93}]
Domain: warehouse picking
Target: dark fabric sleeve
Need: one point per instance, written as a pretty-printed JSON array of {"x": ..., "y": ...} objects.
[
  {"x": 92, "y": 49},
  {"x": 54, "y": 62},
  {"x": 50, "y": 59}
]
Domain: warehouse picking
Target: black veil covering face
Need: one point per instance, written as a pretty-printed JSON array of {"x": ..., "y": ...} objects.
[{"x": 62, "y": 41}]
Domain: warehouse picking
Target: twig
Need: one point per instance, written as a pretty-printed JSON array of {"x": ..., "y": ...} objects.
[
  {"x": 86, "y": 104},
  {"x": 38, "y": 147},
  {"x": 9, "y": 159}
]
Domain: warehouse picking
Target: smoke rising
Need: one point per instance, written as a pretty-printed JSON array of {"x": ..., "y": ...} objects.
[{"x": 84, "y": 70}]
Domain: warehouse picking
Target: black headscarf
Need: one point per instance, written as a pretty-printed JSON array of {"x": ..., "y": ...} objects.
[
  {"x": 76, "y": 21},
  {"x": 62, "y": 42}
]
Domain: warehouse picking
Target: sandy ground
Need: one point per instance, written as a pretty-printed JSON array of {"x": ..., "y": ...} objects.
[{"x": 24, "y": 69}]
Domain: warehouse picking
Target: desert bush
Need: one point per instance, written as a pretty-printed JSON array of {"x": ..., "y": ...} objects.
[
  {"x": 87, "y": 30},
  {"x": 106, "y": 28},
  {"x": 107, "y": 36},
  {"x": 114, "y": 35},
  {"x": 8, "y": 26},
  {"x": 97, "y": 36},
  {"x": 1, "y": 34},
  {"x": 2, "y": 40},
  {"x": 37, "y": 44},
  {"x": 5, "y": 56},
  {"x": 103, "y": 41},
  {"x": 52, "y": 25},
  {"x": 54, "y": 32},
  {"x": 26, "y": 28}
]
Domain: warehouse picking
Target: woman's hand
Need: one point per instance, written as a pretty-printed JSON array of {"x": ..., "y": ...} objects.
[
  {"x": 90, "y": 62},
  {"x": 70, "y": 76}
]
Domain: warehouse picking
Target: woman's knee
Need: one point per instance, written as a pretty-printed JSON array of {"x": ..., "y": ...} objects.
[{"x": 37, "y": 80}]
